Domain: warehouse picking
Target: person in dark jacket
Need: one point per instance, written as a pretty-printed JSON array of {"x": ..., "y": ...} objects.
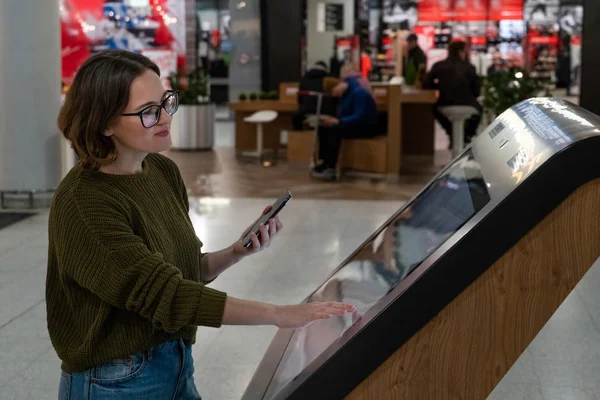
[
  {"x": 416, "y": 55},
  {"x": 458, "y": 85},
  {"x": 312, "y": 81},
  {"x": 498, "y": 64},
  {"x": 356, "y": 118}
]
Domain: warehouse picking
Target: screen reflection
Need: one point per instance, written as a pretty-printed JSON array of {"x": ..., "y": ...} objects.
[{"x": 402, "y": 245}]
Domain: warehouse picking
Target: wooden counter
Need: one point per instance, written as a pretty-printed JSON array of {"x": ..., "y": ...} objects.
[
  {"x": 410, "y": 122},
  {"x": 411, "y": 126},
  {"x": 258, "y": 105}
]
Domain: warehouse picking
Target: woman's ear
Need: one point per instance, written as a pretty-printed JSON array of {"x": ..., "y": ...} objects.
[{"x": 108, "y": 132}]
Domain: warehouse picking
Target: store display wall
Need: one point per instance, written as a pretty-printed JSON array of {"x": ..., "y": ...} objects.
[
  {"x": 155, "y": 28},
  {"x": 544, "y": 36}
]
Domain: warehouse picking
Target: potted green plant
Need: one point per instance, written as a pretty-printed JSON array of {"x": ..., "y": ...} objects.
[
  {"x": 263, "y": 96},
  {"x": 243, "y": 97},
  {"x": 505, "y": 88},
  {"x": 194, "y": 123},
  {"x": 411, "y": 75},
  {"x": 273, "y": 95},
  {"x": 253, "y": 96}
]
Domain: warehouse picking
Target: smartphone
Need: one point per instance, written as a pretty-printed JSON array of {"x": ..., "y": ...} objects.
[{"x": 264, "y": 219}]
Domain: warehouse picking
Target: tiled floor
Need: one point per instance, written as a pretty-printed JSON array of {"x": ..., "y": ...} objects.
[
  {"x": 219, "y": 173},
  {"x": 563, "y": 362}
]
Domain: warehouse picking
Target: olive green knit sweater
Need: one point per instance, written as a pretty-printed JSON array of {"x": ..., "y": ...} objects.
[{"x": 124, "y": 265}]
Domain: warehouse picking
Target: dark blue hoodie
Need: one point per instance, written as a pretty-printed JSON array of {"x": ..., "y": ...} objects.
[{"x": 357, "y": 106}]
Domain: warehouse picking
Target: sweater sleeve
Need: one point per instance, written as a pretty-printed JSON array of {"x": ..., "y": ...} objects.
[
  {"x": 100, "y": 251},
  {"x": 175, "y": 176}
]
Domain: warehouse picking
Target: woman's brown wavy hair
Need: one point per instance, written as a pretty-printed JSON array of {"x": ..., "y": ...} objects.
[{"x": 97, "y": 97}]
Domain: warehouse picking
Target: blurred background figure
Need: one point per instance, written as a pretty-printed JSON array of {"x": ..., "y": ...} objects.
[
  {"x": 498, "y": 64},
  {"x": 458, "y": 85},
  {"x": 415, "y": 54}
]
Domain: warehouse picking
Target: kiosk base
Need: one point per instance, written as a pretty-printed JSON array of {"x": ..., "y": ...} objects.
[{"x": 465, "y": 351}]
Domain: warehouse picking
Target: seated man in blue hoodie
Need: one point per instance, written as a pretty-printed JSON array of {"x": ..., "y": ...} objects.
[{"x": 357, "y": 118}]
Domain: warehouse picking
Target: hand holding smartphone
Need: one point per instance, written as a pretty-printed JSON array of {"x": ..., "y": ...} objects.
[{"x": 264, "y": 219}]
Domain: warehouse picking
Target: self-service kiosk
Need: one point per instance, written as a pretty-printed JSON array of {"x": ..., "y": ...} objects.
[{"x": 455, "y": 285}]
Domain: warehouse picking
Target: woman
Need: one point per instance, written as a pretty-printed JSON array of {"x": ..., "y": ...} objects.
[{"x": 126, "y": 277}]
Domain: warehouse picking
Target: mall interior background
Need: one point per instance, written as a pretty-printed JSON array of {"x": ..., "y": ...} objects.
[
  {"x": 251, "y": 47},
  {"x": 541, "y": 35}
]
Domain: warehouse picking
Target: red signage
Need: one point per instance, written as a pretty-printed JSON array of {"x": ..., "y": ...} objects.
[
  {"x": 435, "y": 10},
  {"x": 505, "y": 9},
  {"x": 478, "y": 41},
  {"x": 478, "y": 10},
  {"x": 455, "y": 10},
  {"x": 552, "y": 40},
  {"x": 461, "y": 10},
  {"x": 470, "y": 10},
  {"x": 75, "y": 33}
]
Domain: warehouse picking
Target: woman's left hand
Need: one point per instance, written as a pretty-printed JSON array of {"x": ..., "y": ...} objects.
[{"x": 258, "y": 244}]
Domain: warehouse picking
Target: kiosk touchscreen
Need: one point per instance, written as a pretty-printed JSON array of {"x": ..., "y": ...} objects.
[
  {"x": 438, "y": 243},
  {"x": 386, "y": 259}
]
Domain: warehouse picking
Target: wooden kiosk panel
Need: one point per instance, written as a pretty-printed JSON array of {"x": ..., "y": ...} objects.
[{"x": 464, "y": 352}]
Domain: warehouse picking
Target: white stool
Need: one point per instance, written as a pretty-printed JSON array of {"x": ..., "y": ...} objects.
[
  {"x": 259, "y": 118},
  {"x": 458, "y": 115}
]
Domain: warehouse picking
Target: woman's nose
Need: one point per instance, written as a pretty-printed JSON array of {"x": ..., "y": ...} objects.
[{"x": 165, "y": 118}]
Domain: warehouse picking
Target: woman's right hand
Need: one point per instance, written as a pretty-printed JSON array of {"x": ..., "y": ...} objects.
[
  {"x": 247, "y": 312},
  {"x": 328, "y": 120},
  {"x": 300, "y": 315}
]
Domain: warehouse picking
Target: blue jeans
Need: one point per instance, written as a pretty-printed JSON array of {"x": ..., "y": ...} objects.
[{"x": 164, "y": 372}]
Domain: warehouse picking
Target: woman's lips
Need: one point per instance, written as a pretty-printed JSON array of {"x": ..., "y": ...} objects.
[{"x": 162, "y": 133}]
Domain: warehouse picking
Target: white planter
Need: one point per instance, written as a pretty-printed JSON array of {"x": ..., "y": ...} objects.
[{"x": 193, "y": 127}]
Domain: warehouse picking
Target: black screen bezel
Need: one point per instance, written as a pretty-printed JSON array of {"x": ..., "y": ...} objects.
[{"x": 477, "y": 204}]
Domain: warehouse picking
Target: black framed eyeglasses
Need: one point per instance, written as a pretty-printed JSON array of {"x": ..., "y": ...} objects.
[{"x": 151, "y": 114}]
